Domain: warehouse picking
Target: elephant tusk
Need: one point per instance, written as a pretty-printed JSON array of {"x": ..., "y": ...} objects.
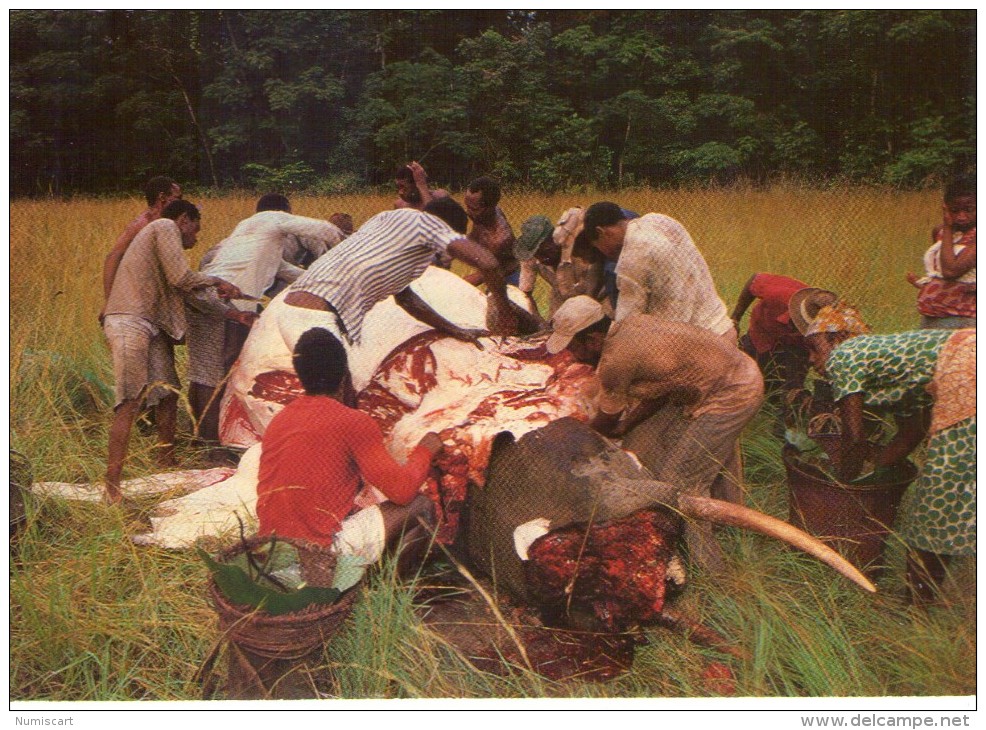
[{"x": 727, "y": 513}]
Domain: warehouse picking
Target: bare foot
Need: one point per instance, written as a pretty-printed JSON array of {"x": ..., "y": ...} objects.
[{"x": 113, "y": 495}]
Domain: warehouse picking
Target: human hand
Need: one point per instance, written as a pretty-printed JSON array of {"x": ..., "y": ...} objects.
[
  {"x": 432, "y": 441},
  {"x": 566, "y": 247},
  {"x": 418, "y": 173},
  {"x": 569, "y": 226},
  {"x": 225, "y": 290},
  {"x": 946, "y": 215},
  {"x": 912, "y": 279},
  {"x": 443, "y": 260},
  {"x": 470, "y": 335},
  {"x": 244, "y": 318}
]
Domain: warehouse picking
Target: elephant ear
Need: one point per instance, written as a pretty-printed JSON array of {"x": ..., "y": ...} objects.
[{"x": 564, "y": 473}]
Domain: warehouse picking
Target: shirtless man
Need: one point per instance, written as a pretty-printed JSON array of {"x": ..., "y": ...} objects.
[
  {"x": 412, "y": 187},
  {"x": 159, "y": 191},
  {"x": 490, "y": 229}
]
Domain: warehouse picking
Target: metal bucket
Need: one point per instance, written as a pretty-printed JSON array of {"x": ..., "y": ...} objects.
[{"x": 852, "y": 519}]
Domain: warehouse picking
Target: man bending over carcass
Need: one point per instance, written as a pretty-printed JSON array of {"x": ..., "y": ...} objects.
[
  {"x": 678, "y": 394},
  {"x": 385, "y": 255},
  {"x": 316, "y": 455},
  {"x": 143, "y": 318}
]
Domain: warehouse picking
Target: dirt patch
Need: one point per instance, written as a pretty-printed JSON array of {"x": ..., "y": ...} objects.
[{"x": 453, "y": 609}]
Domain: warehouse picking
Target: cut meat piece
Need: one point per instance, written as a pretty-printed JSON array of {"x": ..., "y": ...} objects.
[{"x": 468, "y": 396}]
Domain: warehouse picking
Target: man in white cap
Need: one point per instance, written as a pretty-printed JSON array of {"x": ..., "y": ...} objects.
[{"x": 678, "y": 394}]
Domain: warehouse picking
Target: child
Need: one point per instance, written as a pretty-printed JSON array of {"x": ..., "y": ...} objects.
[{"x": 947, "y": 298}]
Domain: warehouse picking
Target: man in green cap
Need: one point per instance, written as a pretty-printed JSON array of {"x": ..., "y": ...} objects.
[{"x": 550, "y": 252}]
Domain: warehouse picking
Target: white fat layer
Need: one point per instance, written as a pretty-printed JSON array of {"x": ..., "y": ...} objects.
[
  {"x": 187, "y": 480},
  {"x": 466, "y": 376},
  {"x": 386, "y": 327},
  {"x": 212, "y": 511}
]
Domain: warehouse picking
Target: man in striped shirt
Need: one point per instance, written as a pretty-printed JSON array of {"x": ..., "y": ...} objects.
[{"x": 385, "y": 256}]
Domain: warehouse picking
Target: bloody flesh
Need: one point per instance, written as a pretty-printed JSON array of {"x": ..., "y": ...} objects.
[
  {"x": 403, "y": 382},
  {"x": 614, "y": 572}
]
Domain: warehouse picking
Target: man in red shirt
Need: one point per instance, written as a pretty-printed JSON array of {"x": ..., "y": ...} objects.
[
  {"x": 316, "y": 455},
  {"x": 772, "y": 339}
]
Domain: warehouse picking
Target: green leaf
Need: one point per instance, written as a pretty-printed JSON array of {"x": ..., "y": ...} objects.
[{"x": 237, "y": 586}]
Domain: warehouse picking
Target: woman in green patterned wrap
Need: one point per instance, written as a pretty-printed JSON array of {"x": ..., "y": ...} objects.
[{"x": 926, "y": 379}]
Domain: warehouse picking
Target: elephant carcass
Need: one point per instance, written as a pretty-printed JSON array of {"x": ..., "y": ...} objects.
[
  {"x": 412, "y": 379},
  {"x": 262, "y": 381},
  {"x": 610, "y": 528}
]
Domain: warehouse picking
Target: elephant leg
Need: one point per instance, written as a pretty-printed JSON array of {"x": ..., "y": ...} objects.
[
  {"x": 664, "y": 443},
  {"x": 655, "y": 440}
]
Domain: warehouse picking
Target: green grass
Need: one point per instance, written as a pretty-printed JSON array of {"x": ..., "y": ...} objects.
[{"x": 93, "y": 617}]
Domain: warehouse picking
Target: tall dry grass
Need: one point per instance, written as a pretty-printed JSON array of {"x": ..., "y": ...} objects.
[{"x": 95, "y": 618}]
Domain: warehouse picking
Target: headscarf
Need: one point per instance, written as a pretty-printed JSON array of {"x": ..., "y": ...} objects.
[{"x": 838, "y": 317}]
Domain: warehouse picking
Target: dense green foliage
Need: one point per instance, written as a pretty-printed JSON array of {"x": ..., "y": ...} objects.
[{"x": 332, "y": 100}]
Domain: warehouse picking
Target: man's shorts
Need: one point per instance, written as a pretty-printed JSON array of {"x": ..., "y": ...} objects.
[
  {"x": 142, "y": 357},
  {"x": 362, "y": 534}
]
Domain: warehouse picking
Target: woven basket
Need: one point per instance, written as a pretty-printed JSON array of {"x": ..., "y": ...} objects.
[
  {"x": 289, "y": 633},
  {"x": 275, "y": 656}
]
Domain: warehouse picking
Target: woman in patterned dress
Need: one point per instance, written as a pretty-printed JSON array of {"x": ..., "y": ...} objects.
[{"x": 926, "y": 378}]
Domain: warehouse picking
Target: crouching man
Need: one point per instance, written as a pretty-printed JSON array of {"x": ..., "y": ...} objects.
[
  {"x": 678, "y": 394},
  {"x": 316, "y": 455}
]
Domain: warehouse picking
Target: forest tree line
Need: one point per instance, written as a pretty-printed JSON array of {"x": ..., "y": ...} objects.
[{"x": 332, "y": 101}]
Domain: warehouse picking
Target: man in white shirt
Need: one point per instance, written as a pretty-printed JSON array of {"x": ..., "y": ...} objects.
[
  {"x": 261, "y": 251},
  {"x": 659, "y": 269}
]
